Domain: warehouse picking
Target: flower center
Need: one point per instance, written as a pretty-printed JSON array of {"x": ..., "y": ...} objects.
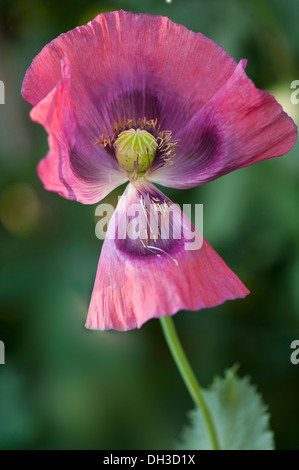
[{"x": 135, "y": 150}]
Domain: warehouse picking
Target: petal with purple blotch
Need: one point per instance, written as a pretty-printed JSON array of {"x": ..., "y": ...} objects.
[
  {"x": 75, "y": 167},
  {"x": 147, "y": 269},
  {"x": 133, "y": 65},
  {"x": 240, "y": 125}
]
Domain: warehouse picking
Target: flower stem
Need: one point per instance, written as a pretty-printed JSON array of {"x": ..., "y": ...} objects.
[{"x": 188, "y": 377}]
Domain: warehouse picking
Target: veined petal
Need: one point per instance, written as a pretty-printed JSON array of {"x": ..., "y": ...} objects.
[
  {"x": 238, "y": 126},
  {"x": 154, "y": 263},
  {"x": 133, "y": 65},
  {"x": 74, "y": 167}
]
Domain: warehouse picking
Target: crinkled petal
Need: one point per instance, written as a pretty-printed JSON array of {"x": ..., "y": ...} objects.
[
  {"x": 238, "y": 126},
  {"x": 133, "y": 65},
  {"x": 74, "y": 167},
  {"x": 147, "y": 272}
]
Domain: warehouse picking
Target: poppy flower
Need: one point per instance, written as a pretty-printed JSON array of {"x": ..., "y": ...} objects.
[{"x": 138, "y": 98}]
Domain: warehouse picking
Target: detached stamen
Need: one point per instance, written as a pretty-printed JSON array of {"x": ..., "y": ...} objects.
[{"x": 164, "y": 252}]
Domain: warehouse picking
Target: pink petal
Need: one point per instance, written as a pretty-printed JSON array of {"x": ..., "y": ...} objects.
[
  {"x": 238, "y": 126},
  {"x": 133, "y": 284},
  {"x": 131, "y": 65},
  {"x": 74, "y": 167}
]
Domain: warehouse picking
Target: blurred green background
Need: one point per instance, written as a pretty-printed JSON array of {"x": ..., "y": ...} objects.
[{"x": 64, "y": 387}]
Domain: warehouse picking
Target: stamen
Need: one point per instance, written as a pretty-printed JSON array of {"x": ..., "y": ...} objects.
[{"x": 149, "y": 233}]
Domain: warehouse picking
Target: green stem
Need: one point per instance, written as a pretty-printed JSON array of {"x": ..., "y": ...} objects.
[{"x": 188, "y": 376}]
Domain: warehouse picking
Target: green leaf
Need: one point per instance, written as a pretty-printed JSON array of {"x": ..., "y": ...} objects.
[{"x": 239, "y": 415}]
